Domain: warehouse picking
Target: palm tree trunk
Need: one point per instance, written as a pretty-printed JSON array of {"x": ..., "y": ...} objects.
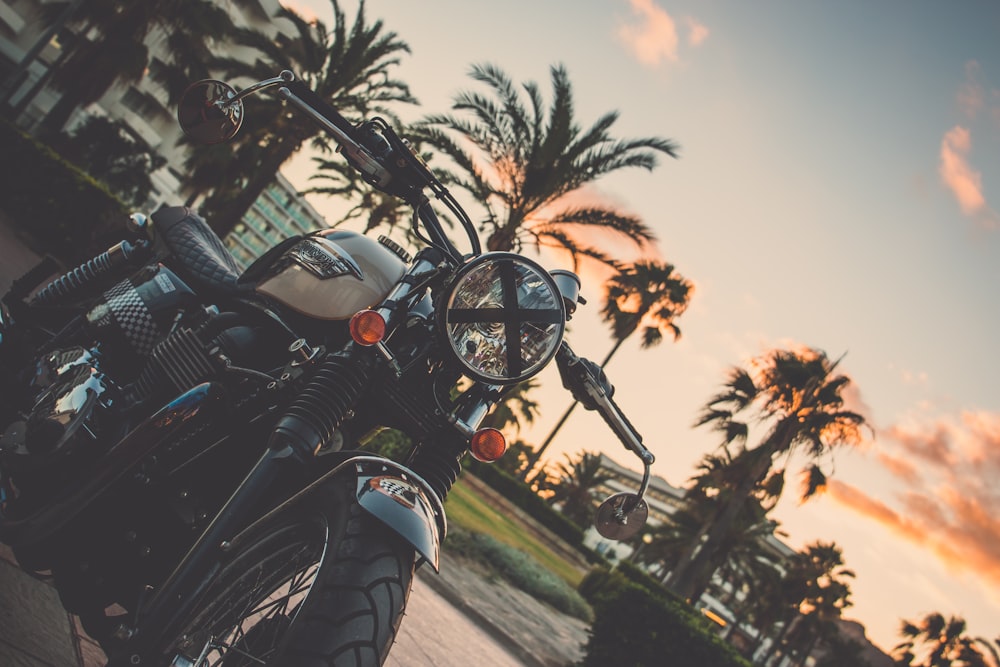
[
  {"x": 688, "y": 577},
  {"x": 533, "y": 460}
]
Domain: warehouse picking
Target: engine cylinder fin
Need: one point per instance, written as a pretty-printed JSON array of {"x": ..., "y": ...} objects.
[{"x": 180, "y": 359}]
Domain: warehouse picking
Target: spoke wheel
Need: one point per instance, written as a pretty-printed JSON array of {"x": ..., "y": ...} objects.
[
  {"x": 257, "y": 599},
  {"x": 323, "y": 586}
]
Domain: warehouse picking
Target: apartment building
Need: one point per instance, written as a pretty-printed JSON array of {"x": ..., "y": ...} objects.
[{"x": 29, "y": 50}]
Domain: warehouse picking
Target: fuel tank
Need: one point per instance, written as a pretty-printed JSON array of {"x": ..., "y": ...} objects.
[{"x": 332, "y": 274}]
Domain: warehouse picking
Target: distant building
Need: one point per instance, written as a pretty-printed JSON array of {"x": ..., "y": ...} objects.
[
  {"x": 662, "y": 498},
  {"x": 278, "y": 214},
  {"x": 144, "y": 108},
  {"x": 718, "y": 602}
]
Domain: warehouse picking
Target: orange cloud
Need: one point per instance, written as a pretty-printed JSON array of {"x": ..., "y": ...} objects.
[
  {"x": 899, "y": 467},
  {"x": 697, "y": 33},
  {"x": 957, "y": 174},
  {"x": 957, "y": 529},
  {"x": 652, "y": 36},
  {"x": 931, "y": 446},
  {"x": 949, "y": 503}
]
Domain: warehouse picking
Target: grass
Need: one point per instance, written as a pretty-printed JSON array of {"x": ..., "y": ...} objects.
[
  {"x": 465, "y": 508},
  {"x": 499, "y": 560}
]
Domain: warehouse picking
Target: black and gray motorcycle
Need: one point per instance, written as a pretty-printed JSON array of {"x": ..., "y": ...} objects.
[{"x": 182, "y": 445}]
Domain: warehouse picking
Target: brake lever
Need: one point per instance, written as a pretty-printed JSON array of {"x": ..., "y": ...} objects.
[
  {"x": 596, "y": 395},
  {"x": 622, "y": 515},
  {"x": 357, "y": 155}
]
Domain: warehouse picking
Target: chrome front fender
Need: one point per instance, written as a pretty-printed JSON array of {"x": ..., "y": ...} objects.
[{"x": 402, "y": 501}]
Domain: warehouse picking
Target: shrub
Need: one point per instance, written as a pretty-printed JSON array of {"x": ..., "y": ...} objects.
[
  {"x": 520, "y": 570},
  {"x": 63, "y": 211},
  {"x": 634, "y": 627}
]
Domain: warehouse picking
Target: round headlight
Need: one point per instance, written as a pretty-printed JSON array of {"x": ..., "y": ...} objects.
[{"x": 503, "y": 317}]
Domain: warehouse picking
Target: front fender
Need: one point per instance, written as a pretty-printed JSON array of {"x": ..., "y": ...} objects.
[
  {"x": 401, "y": 500},
  {"x": 390, "y": 492}
]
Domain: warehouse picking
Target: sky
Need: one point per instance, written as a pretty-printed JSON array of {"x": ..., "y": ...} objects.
[{"x": 838, "y": 187}]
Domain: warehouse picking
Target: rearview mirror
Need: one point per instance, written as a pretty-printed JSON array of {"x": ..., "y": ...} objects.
[
  {"x": 209, "y": 113},
  {"x": 621, "y": 516}
]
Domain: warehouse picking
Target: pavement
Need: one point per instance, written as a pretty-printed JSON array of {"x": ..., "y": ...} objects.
[
  {"x": 459, "y": 617},
  {"x": 453, "y": 619}
]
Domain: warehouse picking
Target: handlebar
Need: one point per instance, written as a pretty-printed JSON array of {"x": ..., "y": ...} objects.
[{"x": 588, "y": 384}]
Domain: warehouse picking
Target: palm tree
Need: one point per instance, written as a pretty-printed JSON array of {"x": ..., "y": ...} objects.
[
  {"x": 992, "y": 649},
  {"x": 742, "y": 560},
  {"x": 348, "y": 65},
  {"x": 517, "y": 408},
  {"x": 574, "y": 484},
  {"x": 524, "y": 161},
  {"x": 90, "y": 68},
  {"x": 939, "y": 643},
  {"x": 378, "y": 209},
  {"x": 646, "y": 295},
  {"x": 799, "y": 398},
  {"x": 819, "y": 594}
]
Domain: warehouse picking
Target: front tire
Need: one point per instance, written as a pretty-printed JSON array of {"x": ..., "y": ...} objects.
[{"x": 325, "y": 586}]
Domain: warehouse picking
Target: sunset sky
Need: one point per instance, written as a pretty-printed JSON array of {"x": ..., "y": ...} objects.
[{"x": 838, "y": 187}]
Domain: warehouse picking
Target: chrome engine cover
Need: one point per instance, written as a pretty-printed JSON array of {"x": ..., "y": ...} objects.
[{"x": 70, "y": 388}]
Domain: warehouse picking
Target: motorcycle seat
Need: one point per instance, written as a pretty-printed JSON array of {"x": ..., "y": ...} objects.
[{"x": 202, "y": 260}]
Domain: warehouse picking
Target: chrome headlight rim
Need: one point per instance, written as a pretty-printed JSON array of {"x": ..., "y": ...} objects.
[{"x": 511, "y": 314}]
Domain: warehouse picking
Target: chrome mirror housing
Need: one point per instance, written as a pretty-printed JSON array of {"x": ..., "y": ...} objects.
[{"x": 210, "y": 112}]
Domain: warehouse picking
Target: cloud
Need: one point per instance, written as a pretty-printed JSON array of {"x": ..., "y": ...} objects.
[
  {"x": 971, "y": 96},
  {"x": 958, "y": 175},
  {"x": 963, "y": 535},
  {"x": 652, "y": 34},
  {"x": 963, "y": 181},
  {"x": 949, "y": 504},
  {"x": 899, "y": 467},
  {"x": 931, "y": 447},
  {"x": 697, "y": 33}
]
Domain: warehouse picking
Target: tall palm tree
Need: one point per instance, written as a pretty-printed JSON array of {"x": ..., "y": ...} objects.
[
  {"x": 798, "y": 397},
  {"x": 575, "y": 481},
  {"x": 90, "y": 68},
  {"x": 937, "y": 642},
  {"x": 991, "y": 649},
  {"x": 376, "y": 208},
  {"x": 742, "y": 560},
  {"x": 348, "y": 65},
  {"x": 521, "y": 161},
  {"x": 819, "y": 593},
  {"x": 646, "y": 295},
  {"x": 517, "y": 408}
]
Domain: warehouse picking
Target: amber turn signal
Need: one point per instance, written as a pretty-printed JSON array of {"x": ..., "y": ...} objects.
[
  {"x": 487, "y": 445},
  {"x": 367, "y": 327}
]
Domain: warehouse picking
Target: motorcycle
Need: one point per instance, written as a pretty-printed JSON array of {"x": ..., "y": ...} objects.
[{"x": 182, "y": 443}]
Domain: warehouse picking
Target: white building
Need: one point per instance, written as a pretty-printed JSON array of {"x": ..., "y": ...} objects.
[
  {"x": 276, "y": 215},
  {"x": 142, "y": 105}
]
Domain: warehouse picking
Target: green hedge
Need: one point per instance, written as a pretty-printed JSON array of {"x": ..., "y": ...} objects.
[
  {"x": 635, "y": 626},
  {"x": 63, "y": 211}
]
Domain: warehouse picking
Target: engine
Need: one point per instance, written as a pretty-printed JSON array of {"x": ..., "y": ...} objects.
[{"x": 146, "y": 340}]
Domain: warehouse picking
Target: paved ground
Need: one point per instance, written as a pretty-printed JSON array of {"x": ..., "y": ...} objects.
[{"x": 455, "y": 619}]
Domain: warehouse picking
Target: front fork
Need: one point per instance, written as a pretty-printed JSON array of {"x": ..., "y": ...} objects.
[{"x": 397, "y": 496}]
